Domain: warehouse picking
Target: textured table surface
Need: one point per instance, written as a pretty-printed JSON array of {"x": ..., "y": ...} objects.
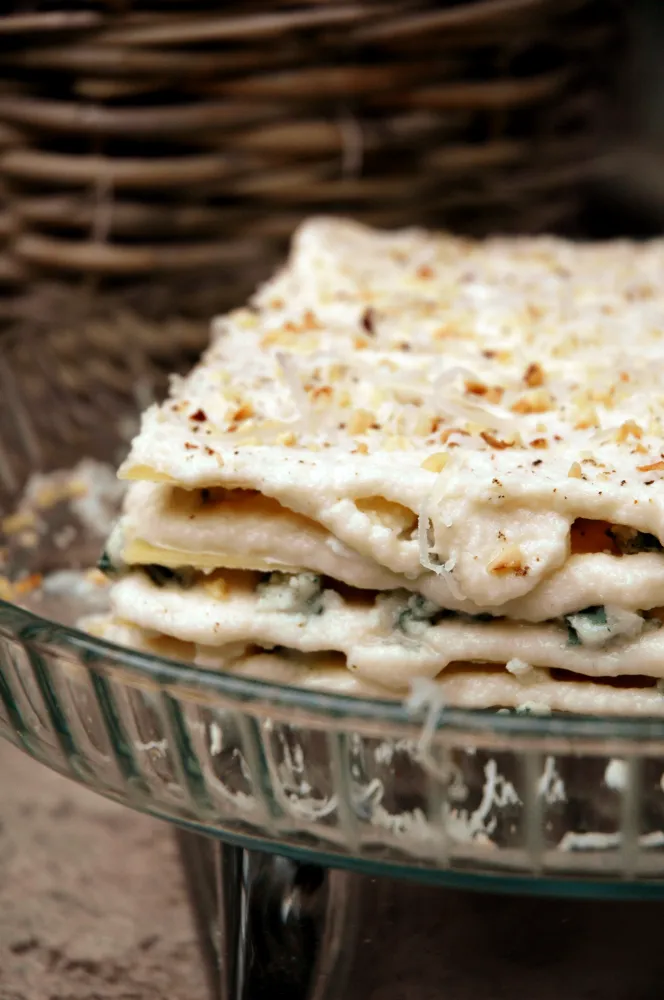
[
  {"x": 92, "y": 903},
  {"x": 93, "y": 907}
]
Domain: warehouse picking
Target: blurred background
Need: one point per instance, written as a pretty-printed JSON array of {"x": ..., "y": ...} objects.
[{"x": 155, "y": 156}]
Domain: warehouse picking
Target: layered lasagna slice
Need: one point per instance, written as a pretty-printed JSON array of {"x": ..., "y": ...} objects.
[{"x": 415, "y": 456}]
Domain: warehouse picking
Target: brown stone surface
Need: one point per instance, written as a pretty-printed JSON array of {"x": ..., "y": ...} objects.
[
  {"x": 93, "y": 907},
  {"x": 92, "y": 901}
]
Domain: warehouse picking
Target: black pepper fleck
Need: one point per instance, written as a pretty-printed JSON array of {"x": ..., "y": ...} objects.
[{"x": 368, "y": 317}]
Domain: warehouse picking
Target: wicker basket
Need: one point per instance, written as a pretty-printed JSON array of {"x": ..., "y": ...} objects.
[{"x": 155, "y": 156}]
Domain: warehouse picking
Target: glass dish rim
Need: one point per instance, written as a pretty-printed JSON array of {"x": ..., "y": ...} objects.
[{"x": 160, "y": 670}]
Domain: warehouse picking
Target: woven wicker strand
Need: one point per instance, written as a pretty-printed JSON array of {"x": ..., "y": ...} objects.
[{"x": 155, "y": 156}]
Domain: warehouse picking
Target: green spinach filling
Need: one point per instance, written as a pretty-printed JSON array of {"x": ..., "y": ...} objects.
[
  {"x": 300, "y": 593},
  {"x": 631, "y": 542},
  {"x": 304, "y": 594},
  {"x": 594, "y": 616},
  {"x": 419, "y": 612},
  {"x": 106, "y": 566},
  {"x": 185, "y": 577}
]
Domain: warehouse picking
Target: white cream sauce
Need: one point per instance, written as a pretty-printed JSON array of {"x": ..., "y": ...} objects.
[
  {"x": 368, "y": 634},
  {"x": 256, "y": 533},
  {"x": 472, "y": 687}
]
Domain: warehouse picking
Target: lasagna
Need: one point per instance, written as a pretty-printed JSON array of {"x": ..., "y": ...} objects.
[{"x": 414, "y": 456}]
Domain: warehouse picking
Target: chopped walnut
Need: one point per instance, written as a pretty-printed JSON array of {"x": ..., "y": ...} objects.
[
  {"x": 321, "y": 391},
  {"x": 310, "y": 321},
  {"x": 495, "y": 442},
  {"x": 425, "y": 424},
  {"x": 629, "y": 429},
  {"x": 243, "y": 412},
  {"x": 15, "y": 523},
  {"x": 534, "y": 376},
  {"x": 476, "y": 387},
  {"x": 537, "y": 401},
  {"x": 588, "y": 418},
  {"x": 360, "y": 421},
  {"x": 287, "y": 439},
  {"x": 494, "y": 394},
  {"x": 652, "y": 467},
  {"x": 449, "y": 431},
  {"x": 508, "y": 559},
  {"x": 215, "y": 454}
]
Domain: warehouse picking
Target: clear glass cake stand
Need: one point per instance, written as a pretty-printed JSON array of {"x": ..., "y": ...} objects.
[
  {"x": 292, "y": 807},
  {"x": 293, "y": 791}
]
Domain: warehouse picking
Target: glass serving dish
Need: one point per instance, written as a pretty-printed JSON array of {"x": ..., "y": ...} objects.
[{"x": 467, "y": 798}]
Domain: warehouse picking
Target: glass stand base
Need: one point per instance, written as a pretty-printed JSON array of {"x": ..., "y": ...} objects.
[
  {"x": 273, "y": 928},
  {"x": 268, "y": 926}
]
